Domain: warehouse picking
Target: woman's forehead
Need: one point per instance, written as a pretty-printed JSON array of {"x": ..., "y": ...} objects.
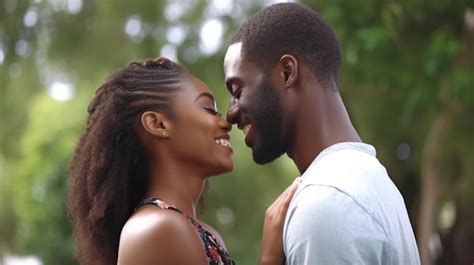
[
  {"x": 192, "y": 88},
  {"x": 194, "y": 85}
]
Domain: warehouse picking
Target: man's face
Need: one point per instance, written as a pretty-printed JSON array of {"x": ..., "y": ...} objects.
[{"x": 255, "y": 106}]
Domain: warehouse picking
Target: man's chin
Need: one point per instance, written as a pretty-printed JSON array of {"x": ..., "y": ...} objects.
[{"x": 261, "y": 157}]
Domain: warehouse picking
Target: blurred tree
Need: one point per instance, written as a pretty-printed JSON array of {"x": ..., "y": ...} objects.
[
  {"x": 16, "y": 43},
  {"x": 41, "y": 182}
]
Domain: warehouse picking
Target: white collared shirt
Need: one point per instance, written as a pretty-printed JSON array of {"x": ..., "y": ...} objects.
[{"x": 348, "y": 211}]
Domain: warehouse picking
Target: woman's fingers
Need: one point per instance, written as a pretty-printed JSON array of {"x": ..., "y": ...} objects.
[
  {"x": 290, "y": 192},
  {"x": 281, "y": 204},
  {"x": 272, "y": 239}
]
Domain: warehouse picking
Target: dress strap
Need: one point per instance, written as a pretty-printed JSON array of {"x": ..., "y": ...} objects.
[
  {"x": 161, "y": 204},
  {"x": 164, "y": 205}
]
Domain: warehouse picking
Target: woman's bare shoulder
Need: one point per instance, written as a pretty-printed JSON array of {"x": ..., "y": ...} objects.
[{"x": 154, "y": 235}]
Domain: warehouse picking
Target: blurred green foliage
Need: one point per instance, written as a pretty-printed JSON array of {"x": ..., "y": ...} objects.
[{"x": 405, "y": 64}]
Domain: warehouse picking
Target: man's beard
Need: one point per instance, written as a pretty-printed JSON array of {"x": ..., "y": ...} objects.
[{"x": 268, "y": 123}]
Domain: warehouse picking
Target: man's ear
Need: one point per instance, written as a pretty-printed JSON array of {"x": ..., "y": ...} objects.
[
  {"x": 156, "y": 123},
  {"x": 289, "y": 69}
]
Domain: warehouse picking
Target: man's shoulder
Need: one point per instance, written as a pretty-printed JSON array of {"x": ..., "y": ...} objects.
[{"x": 355, "y": 174}]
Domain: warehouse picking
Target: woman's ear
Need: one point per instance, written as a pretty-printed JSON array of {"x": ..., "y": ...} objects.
[
  {"x": 156, "y": 124},
  {"x": 289, "y": 69}
]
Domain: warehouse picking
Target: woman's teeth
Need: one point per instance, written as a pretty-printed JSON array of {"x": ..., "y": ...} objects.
[
  {"x": 223, "y": 142},
  {"x": 246, "y": 129}
]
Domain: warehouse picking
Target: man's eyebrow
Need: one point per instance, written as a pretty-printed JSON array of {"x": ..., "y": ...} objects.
[{"x": 205, "y": 94}]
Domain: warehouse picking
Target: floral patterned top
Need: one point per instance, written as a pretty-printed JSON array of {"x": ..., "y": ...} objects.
[{"x": 216, "y": 254}]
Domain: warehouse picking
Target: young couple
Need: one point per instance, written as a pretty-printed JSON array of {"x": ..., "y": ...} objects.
[{"x": 139, "y": 170}]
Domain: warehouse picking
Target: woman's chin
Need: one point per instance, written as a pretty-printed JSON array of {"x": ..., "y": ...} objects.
[
  {"x": 227, "y": 164},
  {"x": 229, "y": 168},
  {"x": 224, "y": 168}
]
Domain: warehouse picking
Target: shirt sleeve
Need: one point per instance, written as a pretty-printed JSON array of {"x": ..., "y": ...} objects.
[{"x": 327, "y": 226}]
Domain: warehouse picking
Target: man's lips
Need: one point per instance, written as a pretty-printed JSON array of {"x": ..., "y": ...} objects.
[{"x": 246, "y": 128}]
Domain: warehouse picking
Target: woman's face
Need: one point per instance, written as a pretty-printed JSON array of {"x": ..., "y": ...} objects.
[{"x": 200, "y": 136}]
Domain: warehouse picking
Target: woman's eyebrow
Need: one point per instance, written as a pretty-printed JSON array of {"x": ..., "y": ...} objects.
[{"x": 205, "y": 94}]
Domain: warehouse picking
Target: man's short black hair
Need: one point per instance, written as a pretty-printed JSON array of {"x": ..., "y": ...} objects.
[{"x": 290, "y": 28}]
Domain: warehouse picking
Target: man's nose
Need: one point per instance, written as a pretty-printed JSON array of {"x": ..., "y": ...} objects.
[{"x": 233, "y": 112}]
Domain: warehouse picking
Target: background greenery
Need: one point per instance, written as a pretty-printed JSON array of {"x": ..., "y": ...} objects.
[{"x": 407, "y": 79}]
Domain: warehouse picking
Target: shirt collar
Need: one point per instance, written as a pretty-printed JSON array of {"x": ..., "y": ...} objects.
[{"x": 358, "y": 146}]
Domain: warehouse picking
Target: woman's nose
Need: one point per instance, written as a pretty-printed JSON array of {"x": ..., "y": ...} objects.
[{"x": 224, "y": 124}]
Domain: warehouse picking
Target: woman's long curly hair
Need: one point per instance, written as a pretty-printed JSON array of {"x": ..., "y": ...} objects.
[{"x": 108, "y": 174}]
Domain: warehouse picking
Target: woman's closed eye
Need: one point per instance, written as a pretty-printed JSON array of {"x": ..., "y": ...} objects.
[
  {"x": 212, "y": 111},
  {"x": 207, "y": 103}
]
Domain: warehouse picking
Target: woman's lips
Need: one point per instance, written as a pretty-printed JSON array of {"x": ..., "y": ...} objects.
[{"x": 223, "y": 142}]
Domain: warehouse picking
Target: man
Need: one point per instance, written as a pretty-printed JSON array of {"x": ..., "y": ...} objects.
[{"x": 281, "y": 70}]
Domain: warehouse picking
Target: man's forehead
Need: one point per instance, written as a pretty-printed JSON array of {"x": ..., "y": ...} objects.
[{"x": 233, "y": 54}]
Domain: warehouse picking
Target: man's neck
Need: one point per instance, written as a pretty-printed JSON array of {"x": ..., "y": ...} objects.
[{"x": 322, "y": 121}]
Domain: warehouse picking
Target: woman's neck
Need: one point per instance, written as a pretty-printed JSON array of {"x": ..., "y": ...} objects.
[{"x": 171, "y": 183}]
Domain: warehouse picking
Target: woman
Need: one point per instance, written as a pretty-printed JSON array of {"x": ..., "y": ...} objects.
[{"x": 152, "y": 137}]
